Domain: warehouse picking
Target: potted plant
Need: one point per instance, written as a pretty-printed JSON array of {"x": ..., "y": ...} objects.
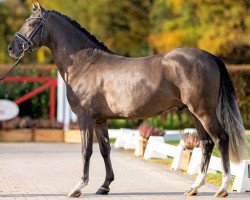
[
  {"x": 189, "y": 141},
  {"x": 146, "y": 131}
]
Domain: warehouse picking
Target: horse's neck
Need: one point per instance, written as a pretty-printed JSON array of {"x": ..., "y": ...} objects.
[{"x": 67, "y": 43}]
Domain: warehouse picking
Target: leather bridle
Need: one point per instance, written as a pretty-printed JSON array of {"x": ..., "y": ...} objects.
[{"x": 27, "y": 42}]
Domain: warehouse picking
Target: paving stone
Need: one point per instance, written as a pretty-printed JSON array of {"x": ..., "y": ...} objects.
[{"x": 48, "y": 171}]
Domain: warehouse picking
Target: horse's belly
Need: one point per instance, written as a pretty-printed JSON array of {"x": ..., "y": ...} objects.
[
  {"x": 143, "y": 103},
  {"x": 138, "y": 92},
  {"x": 140, "y": 112}
]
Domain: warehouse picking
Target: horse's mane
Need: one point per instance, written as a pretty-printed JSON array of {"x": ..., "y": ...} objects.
[{"x": 84, "y": 31}]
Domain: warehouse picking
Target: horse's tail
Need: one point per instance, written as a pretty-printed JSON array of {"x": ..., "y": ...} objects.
[{"x": 229, "y": 115}]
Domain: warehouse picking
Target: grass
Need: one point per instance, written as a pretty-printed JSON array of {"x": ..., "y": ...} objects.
[
  {"x": 173, "y": 142},
  {"x": 166, "y": 162},
  {"x": 216, "y": 179},
  {"x": 112, "y": 140}
]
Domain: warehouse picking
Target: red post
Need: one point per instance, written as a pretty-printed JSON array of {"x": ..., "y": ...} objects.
[
  {"x": 48, "y": 83},
  {"x": 32, "y": 93},
  {"x": 52, "y": 100},
  {"x": 28, "y": 79}
]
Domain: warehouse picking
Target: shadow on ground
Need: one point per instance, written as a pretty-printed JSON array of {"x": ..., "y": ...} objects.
[{"x": 121, "y": 194}]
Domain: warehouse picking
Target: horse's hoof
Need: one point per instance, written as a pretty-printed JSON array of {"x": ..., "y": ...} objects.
[
  {"x": 191, "y": 192},
  {"x": 221, "y": 194},
  {"x": 75, "y": 193},
  {"x": 102, "y": 191}
]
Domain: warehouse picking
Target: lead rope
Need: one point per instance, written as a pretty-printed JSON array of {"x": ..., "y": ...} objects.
[{"x": 12, "y": 68}]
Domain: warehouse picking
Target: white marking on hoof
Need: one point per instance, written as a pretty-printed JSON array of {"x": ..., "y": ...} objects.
[
  {"x": 191, "y": 192},
  {"x": 76, "y": 191},
  {"x": 221, "y": 194}
]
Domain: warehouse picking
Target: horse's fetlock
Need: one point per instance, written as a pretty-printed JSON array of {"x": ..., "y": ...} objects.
[
  {"x": 110, "y": 179},
  {"x": 85, "y": 181}
]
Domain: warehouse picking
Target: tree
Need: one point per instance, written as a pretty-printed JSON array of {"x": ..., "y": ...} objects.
[
  {"x": 135, "y": 27},
  {"x": 221, "y": 27},
  {"x": 123, "y": 27}
]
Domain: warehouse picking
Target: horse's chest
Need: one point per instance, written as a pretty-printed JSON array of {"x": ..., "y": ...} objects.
[{"x": 79, "y": 98}]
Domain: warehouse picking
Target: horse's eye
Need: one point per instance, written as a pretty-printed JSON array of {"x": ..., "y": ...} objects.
[{"x": 31, "y": 24}]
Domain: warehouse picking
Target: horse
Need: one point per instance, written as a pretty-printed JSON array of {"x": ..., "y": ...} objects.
[{"x": 103, "y": 85}]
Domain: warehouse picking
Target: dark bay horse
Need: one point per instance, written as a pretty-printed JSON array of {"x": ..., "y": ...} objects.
[{"x": 102, "y": 85}]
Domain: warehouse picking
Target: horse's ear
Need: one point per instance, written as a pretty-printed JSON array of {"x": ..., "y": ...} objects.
[
  {"x": 40, "y": 8},
  {"x": 34, "y": 7}
]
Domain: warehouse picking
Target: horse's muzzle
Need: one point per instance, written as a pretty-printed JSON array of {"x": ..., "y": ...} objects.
[{"x": 14, "y": 50}]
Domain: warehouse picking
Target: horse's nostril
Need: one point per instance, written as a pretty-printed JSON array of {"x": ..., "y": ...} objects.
[{"x": 10, "y": 48}]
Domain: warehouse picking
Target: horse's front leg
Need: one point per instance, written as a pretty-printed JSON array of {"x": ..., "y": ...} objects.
[
  {"x": 86, "y": 129},
  {"x": 101, "y": 130}
]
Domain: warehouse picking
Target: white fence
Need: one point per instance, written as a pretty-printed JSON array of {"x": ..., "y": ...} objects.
[
  {"x": 127, "y": 139},
  {"x": 157, "y": 148}
]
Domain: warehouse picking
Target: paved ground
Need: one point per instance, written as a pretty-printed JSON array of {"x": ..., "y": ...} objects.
[{"x": 49, "y": 171}]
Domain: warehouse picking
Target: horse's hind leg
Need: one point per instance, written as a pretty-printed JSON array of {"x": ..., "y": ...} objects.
[
  {"x": 207, "y": 147},
  {"x": 213, "y": 127},
  {"x": 101, "y": 130}
]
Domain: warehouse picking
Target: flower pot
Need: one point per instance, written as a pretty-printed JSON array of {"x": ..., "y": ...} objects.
[
  {"x": 185, "y": 158},
  {"x": 49, "y": 135},
  {"x": 16, "y": 135},
  {"x": 74, "y": 136},
  {"x": 142, "y": 146}
]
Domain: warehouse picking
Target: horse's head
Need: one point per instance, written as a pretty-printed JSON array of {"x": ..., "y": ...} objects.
[{"x": 31, "y": 35}]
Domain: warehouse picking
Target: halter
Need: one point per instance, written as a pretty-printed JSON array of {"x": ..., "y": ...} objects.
[{"x": 27, "y": 43}]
